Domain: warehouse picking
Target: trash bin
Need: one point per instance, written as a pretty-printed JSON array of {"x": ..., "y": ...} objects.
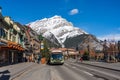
[{"x": 43, "y": 60}]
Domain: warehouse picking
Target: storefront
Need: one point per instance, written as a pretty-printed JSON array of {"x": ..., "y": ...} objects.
[
  {"x": 3, "y": 53},
  {"x": 10, "y": 53}
]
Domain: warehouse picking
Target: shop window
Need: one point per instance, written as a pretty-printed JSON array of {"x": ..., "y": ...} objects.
[
  {"x": 14, "y": 39},
  {"x": 2, "y": 33},
  {"x": 10, "y": 36},
  {"x": 6, "y": 37}
]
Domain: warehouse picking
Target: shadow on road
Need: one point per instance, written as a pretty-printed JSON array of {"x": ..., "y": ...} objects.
[
  {"x": 55, "y": 64},
  {"x": 5, "y": 75}
]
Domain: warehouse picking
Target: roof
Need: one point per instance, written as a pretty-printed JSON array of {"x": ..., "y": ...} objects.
[
  {"x": 56, "y": 50},
  {"x": 63, "y": 49},
  {"x": 19, "y": 25}
]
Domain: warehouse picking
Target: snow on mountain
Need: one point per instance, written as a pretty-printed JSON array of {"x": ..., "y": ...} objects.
[{"x": 58, "y": 26}]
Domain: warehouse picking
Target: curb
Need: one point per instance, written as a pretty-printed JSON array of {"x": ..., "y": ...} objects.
[{"x": 100, "y": 66}]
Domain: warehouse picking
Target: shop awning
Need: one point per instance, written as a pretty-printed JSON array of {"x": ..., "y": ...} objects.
[
  {"x": 11, "y": 46},
  {"x": 2, "y": 44}
]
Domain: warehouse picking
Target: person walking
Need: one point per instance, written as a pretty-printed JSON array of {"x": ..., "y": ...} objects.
[
  {"x": 81, "y": 59},
  {"x": 39, "y": 59}
]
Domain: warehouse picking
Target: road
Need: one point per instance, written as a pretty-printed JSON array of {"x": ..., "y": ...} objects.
[{"x": 68, "y": 71}]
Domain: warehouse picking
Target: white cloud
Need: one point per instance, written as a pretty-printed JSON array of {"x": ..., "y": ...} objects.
[
  {"x": 74, "y": 11},
  {"x": 110, "y": 37}
]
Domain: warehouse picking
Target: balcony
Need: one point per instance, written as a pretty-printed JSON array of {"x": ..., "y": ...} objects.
[
  {"x": 27, "y": 43},
  {"x": 3, "y": 40}
]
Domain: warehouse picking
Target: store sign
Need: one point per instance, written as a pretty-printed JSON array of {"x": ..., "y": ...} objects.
[{"x": 42, "y": 45}]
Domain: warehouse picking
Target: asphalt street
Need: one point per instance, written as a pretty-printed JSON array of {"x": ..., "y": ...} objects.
[{"x": 68, "y": 71}]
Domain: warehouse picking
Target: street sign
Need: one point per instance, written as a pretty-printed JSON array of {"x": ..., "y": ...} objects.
[{"x": 42, "y": 45}]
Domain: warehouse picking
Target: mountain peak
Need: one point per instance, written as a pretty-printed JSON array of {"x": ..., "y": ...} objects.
[
  {"x": 58, "y": 26},
  {"x": 56, "y": 16}
]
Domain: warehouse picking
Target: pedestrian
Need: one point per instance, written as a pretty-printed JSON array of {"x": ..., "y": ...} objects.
[
  {"x": 39, "y": 59},
  {"x": 35, "y": 59},
  {"x": 81, "y": 59},
  {"x": 30, "y": 58}
]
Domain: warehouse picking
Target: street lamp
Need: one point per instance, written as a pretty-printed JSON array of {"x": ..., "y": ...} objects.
[{"x": 0, "y": 9}]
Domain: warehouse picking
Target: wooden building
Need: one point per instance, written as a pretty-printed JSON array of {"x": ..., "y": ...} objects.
[{"x": 11, "y": 42}]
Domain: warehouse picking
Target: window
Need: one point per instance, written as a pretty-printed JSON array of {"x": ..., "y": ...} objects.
[
  {"x": 6, "y": 37},
  {"x": 2, "y": 33},
  {"x": 14, "y": 39}
]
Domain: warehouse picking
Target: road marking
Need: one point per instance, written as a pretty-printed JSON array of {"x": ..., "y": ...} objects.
[
  {"x": 82, "y": 71},
  {"x": 75, "y": 76},
  {"x": 67, "y": 64},
  {"x": 88, "y": 73},
  {"x": 73, "y": 67},
  {"x": 102, "y": 72},
  {"x": 55, "y": 75}
]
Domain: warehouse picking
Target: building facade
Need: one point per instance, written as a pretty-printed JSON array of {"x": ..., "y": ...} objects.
[
  {"x": 32, "y": 44},
  {"x": 11, "y": 41}
]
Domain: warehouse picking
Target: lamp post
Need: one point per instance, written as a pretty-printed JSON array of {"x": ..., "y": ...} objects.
[{"x": 0, "y": 9}]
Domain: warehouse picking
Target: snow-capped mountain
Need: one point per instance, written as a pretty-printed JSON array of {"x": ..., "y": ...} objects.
[
  {"x": 62, "y": 33},
  {"x": 57, "y": 26}
]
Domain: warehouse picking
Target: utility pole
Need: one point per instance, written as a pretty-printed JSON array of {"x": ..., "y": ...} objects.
[
  {"x": 88, "y": 48},
  {"x": 118, "y": 51},
  {"x": 0, "y": 9},
  {"x": 105, "y": 49},
  {"x": 119, "y": 47}
]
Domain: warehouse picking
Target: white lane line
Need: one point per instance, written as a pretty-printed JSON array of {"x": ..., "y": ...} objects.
[
  {"x": 102, "y": 72},
  {"x": 67, "y": 64},
  {"x": 69, "y": 71},
  {"x": 88, "y": 73},
  {"x": 82, "y": 71},
  {"x": 55, "y": 75},
  {"x": 73, "y": 67}
]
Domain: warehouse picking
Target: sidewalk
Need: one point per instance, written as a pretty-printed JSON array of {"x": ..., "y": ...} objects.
[
  {"x": 12, "y": 71},
  {"x": 112, "y": 66}
]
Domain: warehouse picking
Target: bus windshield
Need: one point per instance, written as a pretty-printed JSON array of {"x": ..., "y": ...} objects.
[{"x": 57, "y": 56}]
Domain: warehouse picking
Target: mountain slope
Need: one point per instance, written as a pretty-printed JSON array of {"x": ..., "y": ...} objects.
[
  {"x": 53, "y": 39},
  {"x": 83, "y": 41},
  {"x": 61, "y": 32},
  {"x": 58, "y": 26}
]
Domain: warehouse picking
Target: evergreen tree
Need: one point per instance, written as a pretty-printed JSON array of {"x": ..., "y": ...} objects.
[{"x": 86, "y": 56}]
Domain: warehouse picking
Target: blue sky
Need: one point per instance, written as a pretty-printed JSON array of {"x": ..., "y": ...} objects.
[{"x": 98, "y": 17}]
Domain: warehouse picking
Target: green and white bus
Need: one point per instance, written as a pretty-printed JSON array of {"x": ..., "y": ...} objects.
[{"x": 56, "y": 57}]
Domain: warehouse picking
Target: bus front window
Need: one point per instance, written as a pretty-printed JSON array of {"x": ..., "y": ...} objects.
[{"x": 57, "y": 56}]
